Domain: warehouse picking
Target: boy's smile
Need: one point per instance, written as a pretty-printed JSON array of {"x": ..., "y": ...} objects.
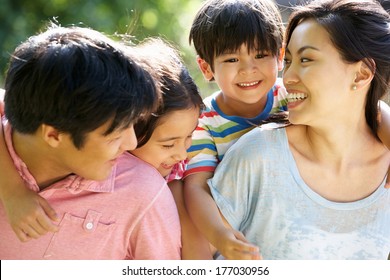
[{"x": 244, "y": 77}]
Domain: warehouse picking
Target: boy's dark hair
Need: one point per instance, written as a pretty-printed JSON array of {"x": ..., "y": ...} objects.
[
  {"x": 178, "y": 89},
  {"x": 75, "y": 79},
  {"x": 360, "y": 30},
  {"x": 222, "y": 26}
]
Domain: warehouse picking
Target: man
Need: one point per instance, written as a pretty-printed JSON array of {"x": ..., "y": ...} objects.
[{"x": 72, "y": 96}]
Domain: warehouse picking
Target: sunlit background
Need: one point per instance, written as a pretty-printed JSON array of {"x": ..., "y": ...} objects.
[{"x": 170, "y": 19}]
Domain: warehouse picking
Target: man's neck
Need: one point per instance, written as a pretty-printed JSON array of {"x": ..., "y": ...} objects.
[{"x": 39, "y": 160}]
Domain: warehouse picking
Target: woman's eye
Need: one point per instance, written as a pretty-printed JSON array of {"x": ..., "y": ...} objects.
[{"x": 303, "y": 60}]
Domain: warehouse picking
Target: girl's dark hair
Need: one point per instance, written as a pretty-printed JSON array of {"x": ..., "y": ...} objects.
[
  {"x": 75, "y": 79},
  {"x": 360, "y": 30},
  {"x": 178, "y": 89},
  {"x": 222, "y": 26}
]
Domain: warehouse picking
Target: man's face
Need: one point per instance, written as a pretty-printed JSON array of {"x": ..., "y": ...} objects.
[{"x": 94, "y": 161}]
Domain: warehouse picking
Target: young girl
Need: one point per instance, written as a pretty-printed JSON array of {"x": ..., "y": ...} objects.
[{"x": 163, "y": 140}]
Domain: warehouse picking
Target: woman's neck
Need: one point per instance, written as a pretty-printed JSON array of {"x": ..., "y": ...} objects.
[{"x": 340, "y": 163}]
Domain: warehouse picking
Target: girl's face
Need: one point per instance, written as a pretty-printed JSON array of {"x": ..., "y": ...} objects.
[
  {"x": 170, "y": 140},
  {"x": 318, "y": 81}
]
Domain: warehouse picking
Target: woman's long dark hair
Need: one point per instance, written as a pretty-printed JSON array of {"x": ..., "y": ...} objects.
[{"x": 360, "y": 30}]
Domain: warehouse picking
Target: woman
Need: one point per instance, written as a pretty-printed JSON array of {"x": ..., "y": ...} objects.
[{"x": 315, "y": 189}]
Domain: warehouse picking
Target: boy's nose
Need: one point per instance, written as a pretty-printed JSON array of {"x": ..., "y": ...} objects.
[{"x": 248, "y": 67}]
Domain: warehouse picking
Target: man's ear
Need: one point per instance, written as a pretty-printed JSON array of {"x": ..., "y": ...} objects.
[
  {"x": 364, "y": 75},
  {"x": 51, "y": 135},
  {"x": 205, "y": 68}
]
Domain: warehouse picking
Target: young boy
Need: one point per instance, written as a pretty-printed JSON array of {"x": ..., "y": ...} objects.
[{"x": 239, "y": 46}]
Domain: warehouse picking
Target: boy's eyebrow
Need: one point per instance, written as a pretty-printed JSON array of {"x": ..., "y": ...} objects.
[
  {"x": 227, "y": 53},
  {"x": 303, "y": 49}
]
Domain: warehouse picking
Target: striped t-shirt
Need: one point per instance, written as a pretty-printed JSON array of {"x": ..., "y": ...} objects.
[{"x": 217, "y": 132}]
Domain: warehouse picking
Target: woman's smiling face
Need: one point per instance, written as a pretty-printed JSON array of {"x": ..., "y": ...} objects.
[{"x": 317, "y": 79}]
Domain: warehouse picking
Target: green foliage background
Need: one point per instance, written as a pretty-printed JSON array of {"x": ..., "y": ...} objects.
[{"x": 170, "y": 19}]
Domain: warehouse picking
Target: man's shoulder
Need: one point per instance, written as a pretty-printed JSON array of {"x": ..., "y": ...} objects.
[
  {"x": 131, "y": 165},
  {"x": 139, "y": 182}
]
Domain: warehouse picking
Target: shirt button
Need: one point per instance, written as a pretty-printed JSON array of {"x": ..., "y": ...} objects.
[{"x": 89, "y": 226}]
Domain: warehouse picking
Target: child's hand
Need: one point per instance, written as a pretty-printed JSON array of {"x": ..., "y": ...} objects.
[
  {"x": 30, "y": 215},
  {"x": 233, "y": 246}
]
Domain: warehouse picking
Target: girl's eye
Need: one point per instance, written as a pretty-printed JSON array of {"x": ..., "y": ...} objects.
[
  {"x": 168, "y": 146},
  {"x": 287, "y": 61},
  {"x": 303, "y": 60}
]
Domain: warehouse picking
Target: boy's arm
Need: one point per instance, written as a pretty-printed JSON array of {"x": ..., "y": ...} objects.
[
  {"x": 207, "y": 218},
  {"x": 29, "y": 215},
  {"x": 384, "y": 130}
]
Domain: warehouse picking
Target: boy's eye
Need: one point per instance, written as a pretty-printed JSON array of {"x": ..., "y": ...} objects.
[
  {"x": 231, "y": 60},
  {"x": 286, "y": 61},
  {"x": 303, "y": 60},
  {"x": 261, "y": 55}
]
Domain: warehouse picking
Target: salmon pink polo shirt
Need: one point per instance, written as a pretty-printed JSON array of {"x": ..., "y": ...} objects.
[{"x": 130, "y": 215}]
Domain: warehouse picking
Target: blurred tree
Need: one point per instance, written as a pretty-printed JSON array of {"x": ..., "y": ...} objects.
[{"x": 170, "y": 19}]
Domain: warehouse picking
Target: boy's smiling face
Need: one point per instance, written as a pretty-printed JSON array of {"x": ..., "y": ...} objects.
[{"x": 244, "y": 77}]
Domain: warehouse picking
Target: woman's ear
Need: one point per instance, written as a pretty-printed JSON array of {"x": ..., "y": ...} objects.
[
  {"x": 205, "y": 68},
  {"x": 364, "y": 75}
]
